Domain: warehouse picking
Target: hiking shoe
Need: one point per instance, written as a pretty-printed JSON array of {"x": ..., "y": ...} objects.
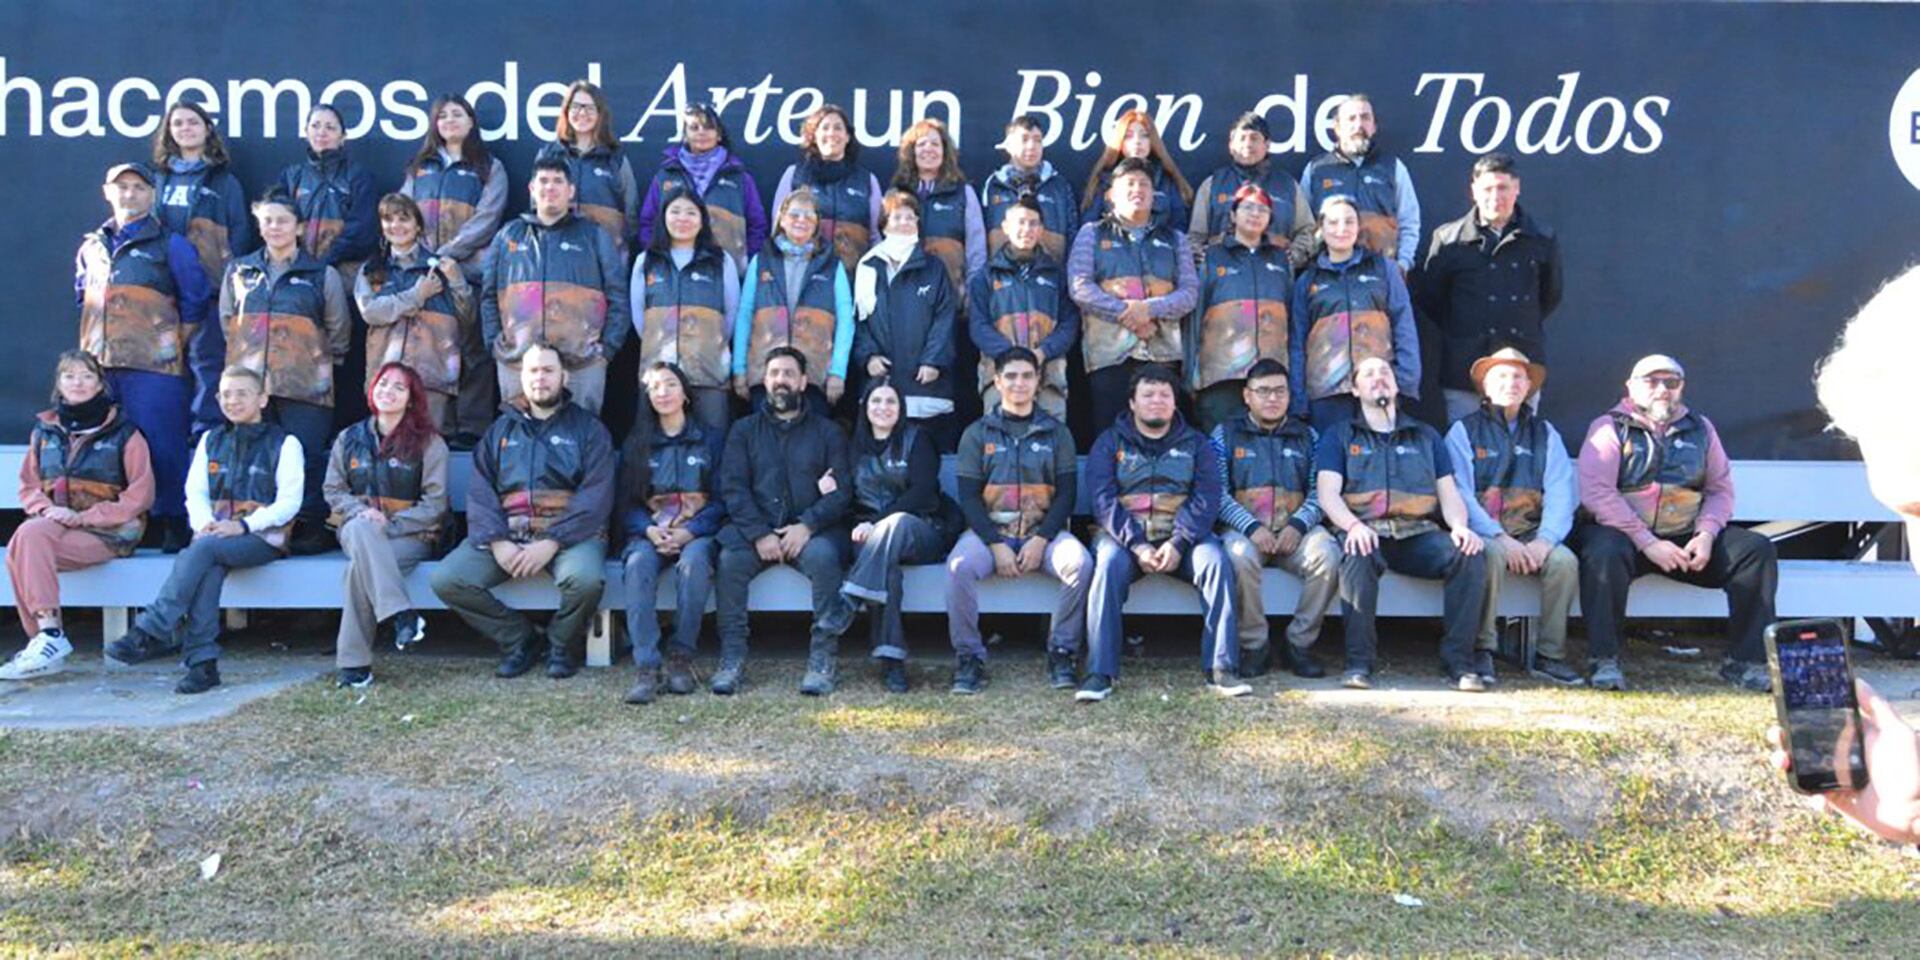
[
  {"x": 521, "y": 658},
  {"x": 1469, "y": 683},
  {"x": 354, "y": 678},
  {"x": 175, "y": 535},
  {"x": 1747, "y": 675},
  {"x": 726, "y": 680},
  {"x": 1094, "y": 689},
  {"x": 138, "y": 646},
  {"x": 200, "y": 678},
  {"x": 1227, "y": 683},
  {"x": 1060, "y": 673},
  {"x": 818, "y": 681},
  {"x": 1356, "y": 678},
  {"x": 1606, "y": 675},
  {"x": 1483, "y": 667},
  {"x": 405, "y": 629},
  {"x": 1302, "y": 662},
  {"x": 560, "y": 662},
  {"x": 43, "y": 655},
  {"x": 1253, "y": 663},
  {"x": 970, "y": 675},
  {"x": 679, "y": 674},
  {"x": 894, "y": 676},
  {"x": 644, "y": 688},
  {"x": 1558, "y": 671}
]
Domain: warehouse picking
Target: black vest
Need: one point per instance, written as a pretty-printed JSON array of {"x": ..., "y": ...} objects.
[
  {"x": 389, "y": 483},
  {"x": 77, "y": 472},
  {"x": 243, "y": 464},
  {"x": 1509, "y": 469},
  {"x": 1269, "y": 472}
]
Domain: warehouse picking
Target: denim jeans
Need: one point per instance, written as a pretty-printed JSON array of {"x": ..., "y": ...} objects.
[
  {"x": 188, "y": 607},
  {"x": 822, "y": 560},
  {"x": 1205, "y": 566},
  {"x": 693, "y": 584},
  {"x": 1742, "y": 562},
  {"x": 875, "y": 577},
  {"x": 1431, "y": 556}
]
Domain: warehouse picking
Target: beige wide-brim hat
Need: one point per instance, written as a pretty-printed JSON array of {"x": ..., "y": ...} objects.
[{"x": 1535, "y": 372}]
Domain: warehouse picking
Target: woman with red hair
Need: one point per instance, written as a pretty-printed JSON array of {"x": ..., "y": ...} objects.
[
  {"x": 1134, "y": 136},
  {"x": 387, "y": 489}
]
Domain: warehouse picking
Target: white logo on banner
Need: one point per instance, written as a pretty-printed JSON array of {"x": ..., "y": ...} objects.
[{"x": 1903, "y": 129}]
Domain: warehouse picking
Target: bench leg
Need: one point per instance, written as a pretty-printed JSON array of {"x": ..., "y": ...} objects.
[
  {"x": 113, "y": 623},
  {"x": 600, "y": 640},
  {"x": 235, "y": 619}
]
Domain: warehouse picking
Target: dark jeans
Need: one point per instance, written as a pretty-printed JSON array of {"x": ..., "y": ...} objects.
[
  {"x": 875, "y": 576},
  {"x": 824, "y": 562},
  {"x": 466, "y": 578},
  {"x": 710, "y": 407},
  {"x": 188, "y": 607},
  {"x": 693, "y": 570},
  {"x": 1742, "y": 562},
  {"x": 312, "y": 424},
  {"x": 1431, "y": 556},
  {"x": 1205, "y": 566},
  {"x": 161, "y": 406}
]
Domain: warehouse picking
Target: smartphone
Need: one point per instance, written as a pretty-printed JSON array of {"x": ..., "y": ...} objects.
[{"x": 1814, "y": 696}]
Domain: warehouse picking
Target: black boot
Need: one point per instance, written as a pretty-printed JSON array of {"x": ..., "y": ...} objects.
[
  {"x": 521, "y": 658},
  {"x": 560, "y": 662},
  {"x": 200, "y": 678}
]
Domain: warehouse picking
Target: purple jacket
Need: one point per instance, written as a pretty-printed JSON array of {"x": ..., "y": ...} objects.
[{"x": 738, "y": 218}]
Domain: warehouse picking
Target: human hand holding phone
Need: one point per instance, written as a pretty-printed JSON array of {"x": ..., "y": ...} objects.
[{"x": 1889, "y": 804}]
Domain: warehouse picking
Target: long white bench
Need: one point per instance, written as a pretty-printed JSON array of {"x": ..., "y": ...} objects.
[{"x": 1784, "y": 496}]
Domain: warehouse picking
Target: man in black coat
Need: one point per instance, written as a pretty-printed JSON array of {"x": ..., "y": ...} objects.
[{"x": 787, "y": 485}]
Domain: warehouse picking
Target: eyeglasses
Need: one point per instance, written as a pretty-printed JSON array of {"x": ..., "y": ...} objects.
[
  {"x": 1268, "y": 393},
  {"x": 582, "y": 107},
  {"x": 1671, "y": 383}
]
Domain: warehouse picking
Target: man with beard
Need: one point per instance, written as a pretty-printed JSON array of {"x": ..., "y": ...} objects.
[
  {"x": 1379, "y": 184},
  {"x": 540, "y": 498},
  {"x": 1658, "y": 488},
  {"x": 787, "y": 482},
  {"x": 1386, "y": 482}
]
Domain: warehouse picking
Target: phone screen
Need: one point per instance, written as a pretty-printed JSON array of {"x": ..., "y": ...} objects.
[{"x": 1817, "y": 707}]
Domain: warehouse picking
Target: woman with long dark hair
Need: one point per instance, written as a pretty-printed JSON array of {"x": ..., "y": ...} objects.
[
  {"x": 670, "y": 509},
  {"x": 462, "y": 193},
  {"x": 900, "y": 517},
  {"x": 386, "y": 488},
  {"x": 1133, "y": 136},
  {"x": 334, "y": 194},
  {"x": 197, "y": 196},
  {"x": 86, "y": 485},
  {"x": 414, "y": 304},
  {"x": 605, "y": 190},
  {"x": 703, "y": 162},
  {"x": 684, "y": 290},
  {"x": 795, "y": 293},
  {"x": 847, "y": 197}
]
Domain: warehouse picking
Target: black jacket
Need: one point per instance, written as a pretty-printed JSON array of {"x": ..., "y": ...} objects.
[
  {"x": 541, "y": 479},
  {"x": 1485, "y": 295},
  {"x": 770, "y": 473},
  {"x": 912, "y": 325}
]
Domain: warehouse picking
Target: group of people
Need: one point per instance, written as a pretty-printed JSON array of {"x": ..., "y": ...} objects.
[{"x": 1243, "y": 349}]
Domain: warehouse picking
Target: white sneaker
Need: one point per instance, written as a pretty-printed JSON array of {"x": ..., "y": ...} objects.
[{"x": 43, "y": 656}]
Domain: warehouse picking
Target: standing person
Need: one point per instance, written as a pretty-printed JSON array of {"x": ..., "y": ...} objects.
[
  {"x": 1658, "y": 487},
  {"x": 1348, "y": 308},
  {"x": 198, "y": 196},
  {"x": 286, "y": 318},
  {"x": 703, "y": 163},
  {"x": 462, "y": 193},
  {"x": 670, "y": 508},
  {"x": 951, "y": 227},
  {"x": 1027, "y": 173},
  {"x": 1246, "y": 286},
  {"x": 243, "y": 490},
  {"x": 848, "y": 197},
  {"x": 1270, "y": 516},
  {"x": 387, "y": 488},
  {"x": 1156, "y": 494},
  {"x": 334, "y": 195},
  {"x": 899, "y": 516},
  {"x": 795, "y": 293},
  {"x": 606, "y": 190},
  {"x": 685, "y": 291},
  {"x": 1383, "y": 191},
  {"x": 415, "y": 304},
  {"x": 1132, "y": 136},
  {"x": 539, "y": 502},
  {"x": 1135, "y": 282},
  {"x": 1386, "y": 482},
  {"x": 1490, "y": 280},
  {"x": 553, "y": 277},
  {"x": 1021, "y": 300},
  {"x": 906, "y": 309},
  {"x": 1522, "y": 504},
  {"x": 1017, "y": 475},
  {"x": 85, "y": 485},
  {"x": 1249, "y": 148},
  {"x": 146, "y": 312},
  {"x": 787, "y": 484}
]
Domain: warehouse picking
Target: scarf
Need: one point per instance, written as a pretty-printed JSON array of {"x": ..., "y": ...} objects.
[
  {"x": 703, "y": 166},
  {"x": 892, "y": 253},
  {"x": 822, "y": 171},
  {"x": 85, "y": 415}
]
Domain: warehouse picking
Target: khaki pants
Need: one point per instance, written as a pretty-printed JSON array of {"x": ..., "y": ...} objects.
[
  {"x": 588, "y": 385},
  {"x": 1559, "y": 584},
  {"x": 377, "y": 568},
  {"x": 1316, "y": 562}
]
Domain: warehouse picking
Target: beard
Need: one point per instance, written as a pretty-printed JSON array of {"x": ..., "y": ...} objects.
[
  {"x": 782, "y": 400},
  {"x": 1356, "y": 146},
  {"x": 1155, "y": 423},
  {"x": 1658, "y": 411}
]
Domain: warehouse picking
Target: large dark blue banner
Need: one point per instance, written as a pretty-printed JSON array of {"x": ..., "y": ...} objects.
[{"x": 1726, "y": 180}]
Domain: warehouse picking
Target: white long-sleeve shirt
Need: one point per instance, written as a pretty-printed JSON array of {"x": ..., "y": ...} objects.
[{"x": 289, "y": 486}]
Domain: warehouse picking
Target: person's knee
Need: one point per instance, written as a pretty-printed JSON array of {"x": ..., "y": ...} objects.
[
  {"x": 1561, "y": 563},
  {"x": 1070, "y": 559},
  {"x": 1355, "y": 569},
  {"x": 819, "y": 557},
  {"x": 578, "y": 583},
  {"x": 448, "y": 581},
  {"x": 1245, "y": 557}
]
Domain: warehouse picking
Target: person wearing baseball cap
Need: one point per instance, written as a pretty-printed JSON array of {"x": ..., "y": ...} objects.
[
  {"x": 145, "y": 310},
  {"x": 1658, "y": 488},
  {"x": 1513, "y": 470}
]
